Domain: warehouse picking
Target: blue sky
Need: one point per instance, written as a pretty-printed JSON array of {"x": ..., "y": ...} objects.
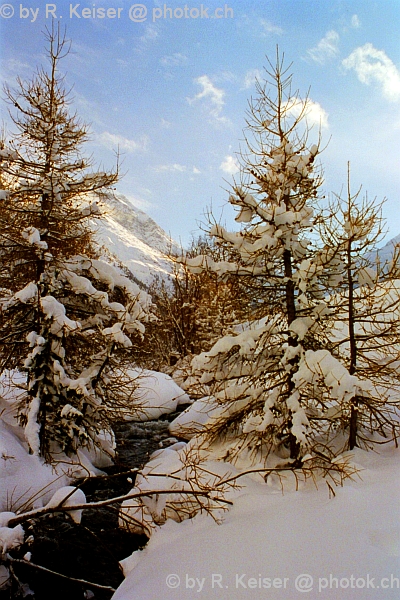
[{"x": 171, "y": 91}]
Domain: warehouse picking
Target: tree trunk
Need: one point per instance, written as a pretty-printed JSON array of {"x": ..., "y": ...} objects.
[
  {"x": 353, "y": 423},
  {"x": 292, "y": 341},
  {"x": 353, "y": 348},
  {"x": 290, "y": 304}
]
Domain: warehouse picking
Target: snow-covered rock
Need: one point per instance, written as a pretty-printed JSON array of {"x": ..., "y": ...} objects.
[
  {"x": 10, "y": 538},
  {"x": 157, "y": 394},
  {"x": 193, "y": 420},
  {"x": 69, "y": 496}
]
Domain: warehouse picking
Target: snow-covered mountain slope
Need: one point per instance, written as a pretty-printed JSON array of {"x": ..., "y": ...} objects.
[
  {"x": 134, "y": 238},
  {"x": 386, "y": 252}
]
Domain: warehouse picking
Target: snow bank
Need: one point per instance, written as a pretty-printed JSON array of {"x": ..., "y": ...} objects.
[
  {"x": 192, "y": 420},
  {"x": 25, "y": 478},
  {"x": 174, "y": 473},
  {"x": 157, "y": 394},
  {"x": 22, "y": 475},
  {"x": 279, "y": 546}
]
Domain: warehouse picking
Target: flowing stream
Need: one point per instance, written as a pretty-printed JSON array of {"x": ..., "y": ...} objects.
[{"x": 93, "y": 549}]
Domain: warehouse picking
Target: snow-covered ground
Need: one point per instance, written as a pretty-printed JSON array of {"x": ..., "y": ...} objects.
[
  {"x": 269, "y": 544},
  {"x": 282, "y": 545}
]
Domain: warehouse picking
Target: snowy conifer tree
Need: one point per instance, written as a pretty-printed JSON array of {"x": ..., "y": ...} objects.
[
  {"x": 264, "y": 378},
  {"x": 64, "y": 312}
]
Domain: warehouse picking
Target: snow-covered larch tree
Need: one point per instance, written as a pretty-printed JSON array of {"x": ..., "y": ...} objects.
[
  {"x": 256, "y": 375},
  {"x": 365, "y": 329},
  {"x": 64, "y": 311}
]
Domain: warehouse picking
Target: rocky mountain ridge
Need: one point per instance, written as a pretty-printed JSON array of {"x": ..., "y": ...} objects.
[{"x": 134, "y": 239}]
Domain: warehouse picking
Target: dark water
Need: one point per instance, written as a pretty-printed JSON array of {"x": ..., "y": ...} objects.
[{"x": 93, "y": 549}]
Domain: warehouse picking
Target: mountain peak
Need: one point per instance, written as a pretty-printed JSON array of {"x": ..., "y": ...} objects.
[{"x": 134, "y": 238}]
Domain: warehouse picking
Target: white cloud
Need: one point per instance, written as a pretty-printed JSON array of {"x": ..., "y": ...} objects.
[
  {"x": 315, "y": 114},
  {"x": 214, "y": 96},
  {"x": 174, "y": 60},
  {"x": 250, "y": 77},
  {"x": 165, "y": 124},
  {"x": 269, "y": 28},
  {"x": 374, "y": 66},
  {"x": 355, "y": 22},
  {"x": 11, "y": 68},
  {"x": 229, "y": 165},
  {"x": 226, "y": 76},
  {"x": 176, "y": 167},
  {"x": 113, "y": 141},
  {"x": 15, "y": 66},
  {"x": 150, "y": 33},
  {"x": 196, "y": 171},
  {"x": 326, "y": 48}
]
